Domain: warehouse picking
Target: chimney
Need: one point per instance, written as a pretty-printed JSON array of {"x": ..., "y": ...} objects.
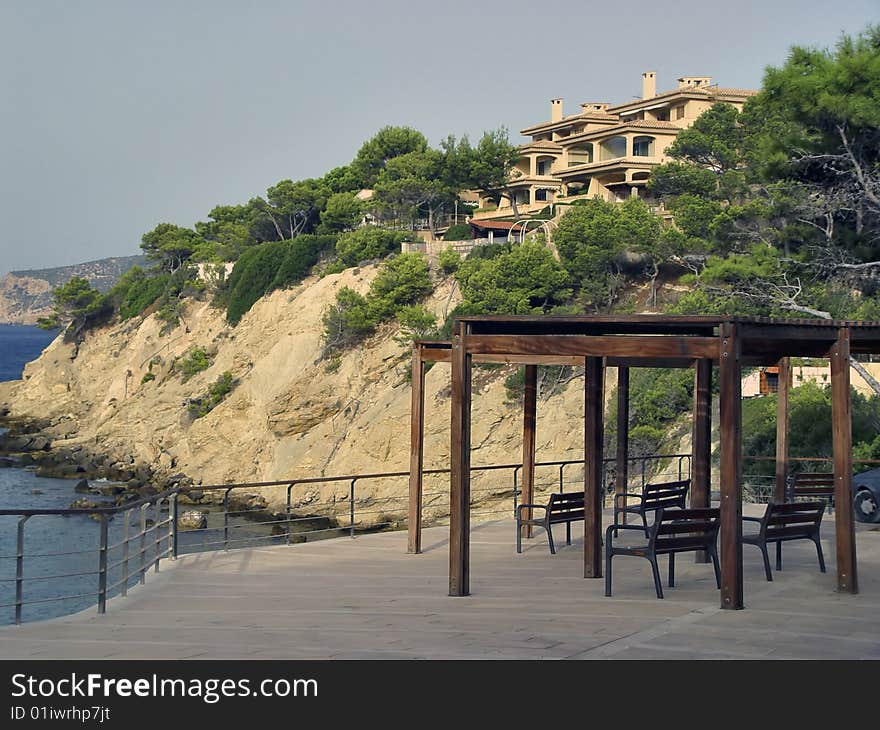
[
  {"x": 649, "y": 84},
  {"x": 556, "y": 110}
]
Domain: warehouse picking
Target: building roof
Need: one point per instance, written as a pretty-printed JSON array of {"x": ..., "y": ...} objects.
[
  {"x": 708, "y": 92},
  {"x": 543, "y": 144},
  {"x": 494, "y": 225}
]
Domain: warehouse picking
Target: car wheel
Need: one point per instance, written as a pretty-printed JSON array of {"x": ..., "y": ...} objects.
[{"x": 866, "y": 507}]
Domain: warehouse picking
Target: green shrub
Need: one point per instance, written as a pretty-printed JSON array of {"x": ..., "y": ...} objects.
[
  {"x": 136, "y": 290},
  {"x": 196, "y": 361},
  {"x": 148, "y": 377},
  {"x": 458, "y": 232},
  {"x": 203, "y": 405},
  {"x": 348, "y": 321},
  {"x": 403, "y": 280},
  {"x": 449, "y": 260},
  {"x": 269, "y": 266},
  {"x": 416, "y": 323},
  {"x": 367, "y": 243},
  {"x": 400, "y": 282}
]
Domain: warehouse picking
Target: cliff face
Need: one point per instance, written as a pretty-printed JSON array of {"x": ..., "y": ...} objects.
[
  {"x": 290, "y": 414},
  {"x": 25, "y": 296}
]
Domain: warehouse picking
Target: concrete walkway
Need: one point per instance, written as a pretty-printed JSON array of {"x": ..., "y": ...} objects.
[{"x": 366, "y": 598}]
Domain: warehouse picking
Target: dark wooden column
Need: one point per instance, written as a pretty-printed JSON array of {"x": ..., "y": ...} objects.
[
  {"x": 730, "y": 377},
  {"x": 622, "y": 434},
  {"x": 782, "y": 396},
  {"x": 530, "y": 413},
  {"x": 841, "y": 404},
  {"x": 701, "y": 440},
  {"x": 594, "y": 381},
  {"x": 416, "y": 452},
  {"x": 460, "y": 466}
]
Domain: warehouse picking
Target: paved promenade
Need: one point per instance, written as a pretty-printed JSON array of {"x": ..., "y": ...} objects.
[{"x": 366, "y": 598}]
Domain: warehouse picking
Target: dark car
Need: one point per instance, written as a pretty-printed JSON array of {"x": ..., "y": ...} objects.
[{"x": 866, "y": 496}]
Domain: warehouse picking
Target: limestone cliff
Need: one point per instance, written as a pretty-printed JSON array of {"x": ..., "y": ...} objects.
[
  {"x": 291, "y": 413},
  {"x": 25, "y": 296}
]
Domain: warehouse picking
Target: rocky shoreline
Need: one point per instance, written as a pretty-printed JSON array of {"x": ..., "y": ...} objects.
[{"x": 29, "y": 443}]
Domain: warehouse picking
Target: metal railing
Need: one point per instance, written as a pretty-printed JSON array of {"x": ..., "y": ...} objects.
[{"x": 135, "y": 537}]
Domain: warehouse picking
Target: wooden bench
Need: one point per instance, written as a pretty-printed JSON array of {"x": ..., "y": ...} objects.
[
  {"x": 662, "y": 495},
  {"x": 784, "y": 522},
  {"x": 673, "y": 531},
  {"x": 811, "y": 485},
  {"x": 564, "y": 507}
]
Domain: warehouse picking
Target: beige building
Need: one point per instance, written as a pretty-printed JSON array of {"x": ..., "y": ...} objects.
[{"x": 605, "y": 151}]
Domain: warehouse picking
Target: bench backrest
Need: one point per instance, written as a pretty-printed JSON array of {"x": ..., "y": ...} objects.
[
  {"x": 566, "y": 504},
  {"x": 682, "y": 530},
  {"x": 811, "y": 484},
  {"x": 792, "y": 519},
  {"x": 665, "y": 495}
]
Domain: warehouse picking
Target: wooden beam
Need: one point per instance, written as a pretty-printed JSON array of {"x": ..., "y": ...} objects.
[
  {"x": 416, "y": 453},
  {"x": 731, "y": 468},
  {"x": 620, "y": 484},
  {"x": 782, "y": 396},
  {"x": 841, "y": 416},
  {"x": 635, "y": 346},
  {"x": 429, "y": 355},
  {"x": 701, "y": 440},
  {"x": 594, "y": 381},
  {"x": 460, "y": 466},
  {"x": 530, "y": 412},
  {"x": 573, "y": 360}
]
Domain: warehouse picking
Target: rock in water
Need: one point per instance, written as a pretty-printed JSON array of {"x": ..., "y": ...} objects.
[
  {"x": 82, "y": 486},
  {"x": 193, "y": 520}
]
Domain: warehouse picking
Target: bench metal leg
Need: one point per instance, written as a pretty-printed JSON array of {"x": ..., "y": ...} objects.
[
  {"x": 779, "y": 555},
  {"x": 568, "y": 533},
  {"x": 672, "y": 570},
  {"x": 767, "y": 571},
  {"x": 518, "y": 537},
  {"x": 819, "y": 551},
  {"x": 549, "y": 529},
  {"x": 608, "y": 556},
  {"x": 658, "y": 584},
  {"x": 714, "y": 555}
]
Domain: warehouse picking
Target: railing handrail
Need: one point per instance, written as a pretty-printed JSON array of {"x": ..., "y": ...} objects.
[{"x": 167, "y": 529}]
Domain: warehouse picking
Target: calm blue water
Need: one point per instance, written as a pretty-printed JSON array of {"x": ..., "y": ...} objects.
[{"x": 19, "y": 345}]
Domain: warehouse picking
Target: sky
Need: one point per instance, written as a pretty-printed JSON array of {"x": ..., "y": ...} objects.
[{"x": 117, "y": 115}]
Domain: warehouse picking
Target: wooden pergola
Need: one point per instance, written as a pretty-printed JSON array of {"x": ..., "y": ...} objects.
[{"x": 598, "y": 342}]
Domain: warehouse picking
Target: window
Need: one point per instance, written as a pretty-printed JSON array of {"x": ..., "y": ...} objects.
[
  {"x": 678, "y": 112},
  {"x": 642, "y": 146}
]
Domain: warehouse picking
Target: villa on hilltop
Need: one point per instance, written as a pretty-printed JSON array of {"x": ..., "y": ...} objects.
[{"x": 604, "y": 151}]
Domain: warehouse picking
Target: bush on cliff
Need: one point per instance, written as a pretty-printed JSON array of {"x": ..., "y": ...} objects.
[
  {"x": 402, "y": 281},
  {"x": 367, "y": 243},
  {"x": 269, "y": 266}
]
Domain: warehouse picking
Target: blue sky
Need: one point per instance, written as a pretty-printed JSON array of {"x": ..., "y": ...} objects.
[{"x": 120, "y": 115}]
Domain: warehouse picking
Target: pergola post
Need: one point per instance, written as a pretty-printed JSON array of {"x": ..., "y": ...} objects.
[
  {"x": 701, "y": 440},
  {"x": 594, "y": 381},
  {"x": 460, "y": 467},
  {"x": 782, "y": 395},
  {"x": 620, "y": 485},
  {"x": 841, "y": 406},
  {"x": 530, "y": 412},
  {"x": 416, "y": 452},
  {"x": 730, "y": 378}
]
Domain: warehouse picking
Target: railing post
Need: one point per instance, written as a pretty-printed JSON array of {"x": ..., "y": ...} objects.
[
  {"x": 143, "y": 542},
  {"x": 157, "y": 543},
  {"x": 126, "y": 518},
  {"x": 561, "y": 479},
  {"x": 515, "y": 488},
  {"x": 351, "y": 508},
  {"x": 226, "y": 519},
  {"x": 644, "y": 478},
  {"x": 102, "y": 567},
  {"x": 173, "y": 527},
  {"x": 19, "y": 569},
  {"x": 289, "y": 488}
]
